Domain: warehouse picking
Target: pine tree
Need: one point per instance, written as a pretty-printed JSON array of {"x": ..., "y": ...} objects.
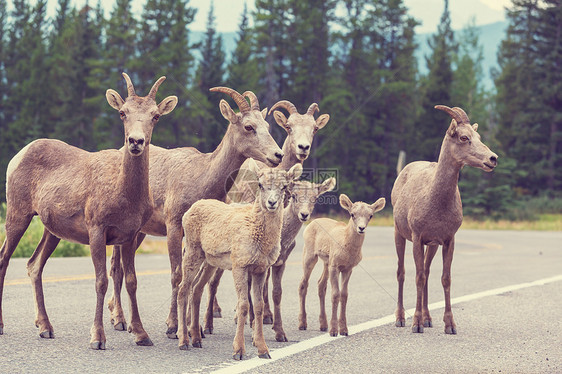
[
  {"x": 243, "y": 72},
  {"x": 210, "y": 73},
  {"x": 163, "y": 49},
  {"x": 436, "y": 89}
]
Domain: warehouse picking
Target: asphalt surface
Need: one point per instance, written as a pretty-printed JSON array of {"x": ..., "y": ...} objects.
[{"x": 518, "y": 331}]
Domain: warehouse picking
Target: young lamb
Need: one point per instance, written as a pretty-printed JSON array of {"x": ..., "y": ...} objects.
[
  {"x": 339, "y": 246},
  {"x": 242, "y": 238}
]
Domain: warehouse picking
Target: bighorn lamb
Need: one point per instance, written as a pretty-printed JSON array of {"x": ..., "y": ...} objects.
[
  {"x": 339, "y": 246},
  {"x": 242, "y": 238},
  {"x": 181, "y": 176},
  {"x": 428, "y": 212},
  {"x": 301, "y": 129},
  {"x": 94, "y": 198}
]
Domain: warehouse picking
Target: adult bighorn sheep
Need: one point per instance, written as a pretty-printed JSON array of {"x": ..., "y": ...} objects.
[
  {"x": 301, "y": 129},
  {"x": 428, "y": 212},
  {"x": 179, "y": 177},
  {"x": 243, "y": 238},
  {"x": 97, "y": 198}
]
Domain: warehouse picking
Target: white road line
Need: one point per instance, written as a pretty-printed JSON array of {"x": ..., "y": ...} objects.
[{"x": 281, "y": 353}]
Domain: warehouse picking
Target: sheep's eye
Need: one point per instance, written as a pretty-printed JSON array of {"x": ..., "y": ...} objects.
[
  {"x": 464, "y": 138},
  {"x": 248, "y": 128},
  {"x": 122, "y": 114},
  {"x": 156, "y": 117},
  {"x": 352, "y": 215},
  {"x": 371, "y": 216}
]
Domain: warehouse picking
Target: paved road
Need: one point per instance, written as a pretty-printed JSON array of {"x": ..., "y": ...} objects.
[{"x": 513, "y": 330}]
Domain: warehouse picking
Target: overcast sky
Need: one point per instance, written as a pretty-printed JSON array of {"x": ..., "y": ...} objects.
[{"x": 228, "y": 12}]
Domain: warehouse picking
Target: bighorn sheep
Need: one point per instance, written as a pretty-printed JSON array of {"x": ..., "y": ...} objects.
[
  {"x": 301, "y": 129},
  {"x": 428, "y": 212},
  {"x": 179, "y": 177},
  {"x": 95, "y": 198},
  {"x": 242, "y": 238},
  {"x": 339, "y": 246}
]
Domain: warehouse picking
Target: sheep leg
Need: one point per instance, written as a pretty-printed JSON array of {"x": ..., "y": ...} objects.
[
  {"x": 174, "y": 238},
  {"x": 128, "y": 260},
  {"x": 429, "y": 254},
  {"x": 206, "y": 273},
  {"x": 267, "y": 315},
  {"x": 334, "y": 283},
  {"x": 345, "y": 275},
  {"x": 417, "y": 325},
  {"x": 97, "y": 249},
  {"x": 448, "y": 249},
  {"x": 190, "y": 268},
  {"x": 35, "y": 267},
  {"x": 309, "y": 260},
  {"x": 322, "y": 286},
  {"x": 15, "y": 228},
  {"x": 240, "y": 276},
  {"x": 114, "y": 305},
  {"x": 276, "y": 276},
  {"x": 211, "y": 313},
  {"x": 400, "y": 243},
  {"x": 258, "y": 280}
]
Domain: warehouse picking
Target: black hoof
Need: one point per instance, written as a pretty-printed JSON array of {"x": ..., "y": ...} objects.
[
  {"x": 267, "y": 320},
  {"x": 208, "y": 331},
  {"x": 146, "y": 342},
  {"x": 197, "y": 345},
  {"x": 237, "y": 356},
  {"x": 427, "y": 323},
  {"x": 400, "y": 323},
  {"x": 47, "y": 335},
  {"x": 343, "y": 333},
  {"x": 1, "y": 331},
  {"x": 333, "y": 334},
  {"x": 97, "y": 345},
  {"x": 264, "y": 355},
  {"x": 171, "y": 332},
  {"x": 417, "y": 329},
  {"x": 202, "y": 332},
  {"x": 217, "y": 314},
  {"x": 451, "y": 330},
  {"x": 323, "y": 329},
  {"x": 121, "y": 326},
  {"x": 281, "y": 338},
  {"x": 184, "y": 347},
  {"x": 302, "y": 327}
]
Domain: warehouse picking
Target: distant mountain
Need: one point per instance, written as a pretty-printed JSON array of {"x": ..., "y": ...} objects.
[{"x": 490, "y": 37}]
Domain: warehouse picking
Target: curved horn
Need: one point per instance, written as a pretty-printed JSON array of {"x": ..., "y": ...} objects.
[
  {"x": 463, "y": 115},
  {"x": 312, "y": 108},
  {"x": 453, "y": 113},
  {"x": 285, "y": 104},
  {"x": 253, "y": 100},
  {"x": 130, "y": 87},
  {"x": 155, "y": 87},
  {"x": 235, "y": 95}
]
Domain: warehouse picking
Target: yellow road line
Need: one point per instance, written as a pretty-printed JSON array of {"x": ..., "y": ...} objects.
[{"x": 78, "y": 277}]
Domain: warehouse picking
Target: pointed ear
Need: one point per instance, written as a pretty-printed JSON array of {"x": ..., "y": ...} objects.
[
  {"x": 227, "y": 112},
  {"x": 281, "y": 120},
  {"x": 345, "y": 202},
  {"x": 327, "y": 185},
  {"x": 114, "y": 99},
  {"x": 475, "y": 127},
  {"x": 295, "y": 172},
  {"x": 264, "y": 112},
  {"x": 253, "y": 166},
  {"x": 321, "y": 121},
  {"x": 452, "y": 131},
  {"x": 378, "y": 205},
  {"x": 167, "y": 105}
]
